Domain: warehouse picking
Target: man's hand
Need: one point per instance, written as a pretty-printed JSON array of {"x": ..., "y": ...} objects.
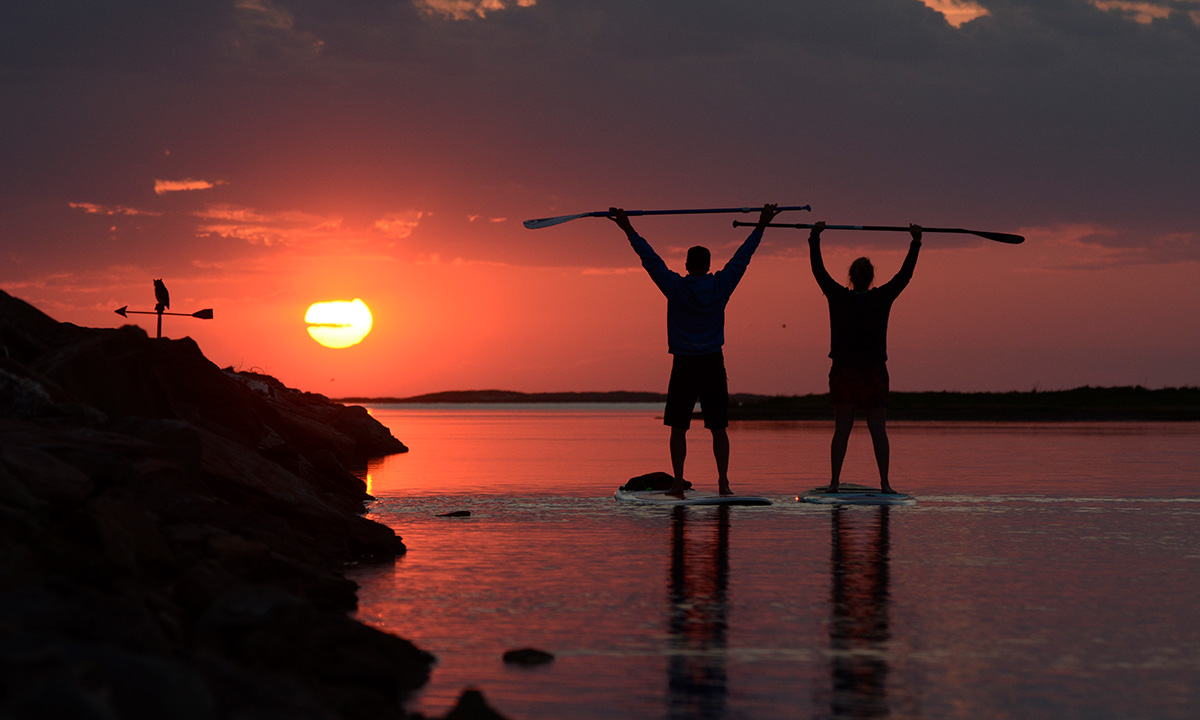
[
  {"x": 618, "y": 216},
  {"x": 769, "y": 211},
  {"x": 915, "y": 231}
]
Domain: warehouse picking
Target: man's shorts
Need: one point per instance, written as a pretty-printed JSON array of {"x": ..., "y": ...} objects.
[
  {"x": 862, "y": 387},
  {"x": 698, "y": 377}
]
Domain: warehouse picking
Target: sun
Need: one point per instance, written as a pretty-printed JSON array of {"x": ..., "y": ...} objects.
[{"x": 338, "y": 323}]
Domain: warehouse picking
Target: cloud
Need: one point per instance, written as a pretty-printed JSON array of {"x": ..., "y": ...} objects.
[
  {"x": 94, "y": 209},
  {"x": 957, "y": 12},
  {"x": 399, "y": 225},
  {"x": 266, "y": 13},
  {"x": 1088, "y": 246},
  {"x": 266, "y": 33},
  {"x": 270, "y": 229},
  {"x": 1034, "y": 112},
  {"x": 1138, "y": 248},
  {"x": 1147, "y": 11},
  {"x": 126, "y": 36},
  {"x": 161, "y": 187},
  {"x": 250, "y": 215},
  {"x": 468, "y": 9},
  {"x": 612, "y": 271},
  {"x": 305, "y": 229}
]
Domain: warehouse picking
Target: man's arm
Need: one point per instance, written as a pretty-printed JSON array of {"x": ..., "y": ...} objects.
[
  {"x": 654, "y": 265},
  {"x": 741, "y": 259}
]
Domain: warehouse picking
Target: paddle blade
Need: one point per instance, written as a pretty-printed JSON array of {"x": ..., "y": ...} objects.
[
  {"x": 539, "y": 223},
  {"x": 1000, "y": 237}
]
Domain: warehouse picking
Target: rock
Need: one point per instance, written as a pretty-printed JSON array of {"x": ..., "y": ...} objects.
[
  {"x": 174, "y": 537},
  {"x": 22, "y": 397},
  {"x": 299, "y": 410},
  {"x": 472, "y": 706},
  {"x": 456, "y": 514},
  {"x": 42, "y": 475},
  {"x": 26, "y": 332},
  {"x": 528, "y": 656},
  {"x": 334, "y": 656},
  {"x": 122, "y": 373},
  {"x": 77, "y": 680}
]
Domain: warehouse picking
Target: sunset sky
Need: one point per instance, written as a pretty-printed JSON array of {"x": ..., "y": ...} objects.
[{"x": 263, "y": 155}]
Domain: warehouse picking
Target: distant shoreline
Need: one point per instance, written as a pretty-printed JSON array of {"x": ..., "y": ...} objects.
[{"x": 1130, "y": 403}]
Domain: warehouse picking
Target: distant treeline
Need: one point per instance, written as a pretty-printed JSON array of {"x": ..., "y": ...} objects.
[
  {"x": 509, "y": 396},
  {"x": 1084, "y": 403}
]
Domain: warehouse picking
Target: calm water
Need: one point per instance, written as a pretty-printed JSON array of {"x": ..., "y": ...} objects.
[{"x": 1048, "y": 571}]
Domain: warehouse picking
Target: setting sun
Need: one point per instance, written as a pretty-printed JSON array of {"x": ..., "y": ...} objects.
[{"x": 338, "y": 323}]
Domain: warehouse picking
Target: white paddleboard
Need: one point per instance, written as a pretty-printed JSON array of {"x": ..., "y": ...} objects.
[
  {"x": 691, "y": 497},
  {"x": 850, "y": 494}
]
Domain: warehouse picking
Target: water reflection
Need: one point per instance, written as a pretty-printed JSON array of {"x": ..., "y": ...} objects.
[
  {"x": 698, "y": 617},
  {"x": 858, "y": 627}
]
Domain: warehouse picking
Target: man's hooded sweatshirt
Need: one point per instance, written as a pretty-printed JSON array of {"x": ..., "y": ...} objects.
[{"x": 696, "y": 304}]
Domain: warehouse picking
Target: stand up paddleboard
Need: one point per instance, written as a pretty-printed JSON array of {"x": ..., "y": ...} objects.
[
  {"x": 691, "y": 497},
  {"x": 850, "y": 494}
]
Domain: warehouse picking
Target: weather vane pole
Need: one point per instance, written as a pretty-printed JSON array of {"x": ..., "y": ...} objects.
[{"x": 162, "y": 302}]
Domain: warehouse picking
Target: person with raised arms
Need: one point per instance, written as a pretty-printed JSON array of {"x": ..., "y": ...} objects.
[
  {"x": 695, "y": 338},
  {"x": 858, "y": 378}
]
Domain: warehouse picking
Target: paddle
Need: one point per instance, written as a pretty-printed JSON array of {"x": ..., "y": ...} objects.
[
  {"x": 997, "y": 236},
  {"x": 547, "y": 222}
]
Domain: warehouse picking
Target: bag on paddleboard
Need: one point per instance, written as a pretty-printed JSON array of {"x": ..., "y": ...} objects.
[{"x": 653, "y": 481}]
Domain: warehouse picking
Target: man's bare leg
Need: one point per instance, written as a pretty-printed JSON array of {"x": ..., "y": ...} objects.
[
  {"x": 877, "y": 422},
  {"x": 843, "y": 423},
  {"x": 678, "y": 455},
  {"x": 721, "y": 453}
]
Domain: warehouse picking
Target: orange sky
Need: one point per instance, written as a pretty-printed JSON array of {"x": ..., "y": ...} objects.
[{"x": 263, "y": 155}]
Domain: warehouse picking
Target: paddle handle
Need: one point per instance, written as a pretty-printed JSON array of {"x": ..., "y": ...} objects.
[
  {"x": 538, "y": 223},
  {"x": 1007, "y": 238}
]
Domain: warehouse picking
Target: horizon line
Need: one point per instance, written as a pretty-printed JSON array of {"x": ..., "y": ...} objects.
[{"x": 502, "y": 396}]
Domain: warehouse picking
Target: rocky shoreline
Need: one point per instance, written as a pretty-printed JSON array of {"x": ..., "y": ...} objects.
[{"x": 173, "y": 536}]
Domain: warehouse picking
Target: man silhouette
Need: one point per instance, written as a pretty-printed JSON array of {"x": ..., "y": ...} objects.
[
  {"x": 858, "y": 378},
  {"x": 695, "y": 335}
]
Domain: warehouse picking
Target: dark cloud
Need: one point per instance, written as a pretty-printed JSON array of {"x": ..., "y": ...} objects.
[
  {"x": 1041, "y": 112},
  {"x": 44, "y": 39}
]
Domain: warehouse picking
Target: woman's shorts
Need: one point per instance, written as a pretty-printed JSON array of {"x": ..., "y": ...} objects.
[{"x": 862, "y": 387}]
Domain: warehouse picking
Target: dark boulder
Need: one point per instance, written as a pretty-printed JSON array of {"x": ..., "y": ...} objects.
[
  {"x": 174, "y": 536},
  {"x": 528, "y": 656},
  {"x": 472, "y": 706}
]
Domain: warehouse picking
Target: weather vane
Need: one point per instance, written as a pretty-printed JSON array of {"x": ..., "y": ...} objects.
[{"x": 162, "y": 300}]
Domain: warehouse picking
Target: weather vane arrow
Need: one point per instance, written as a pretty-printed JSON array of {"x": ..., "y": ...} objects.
[
  {"x": 163, "y": 301},
  {"x": 202, "y": 314}
]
